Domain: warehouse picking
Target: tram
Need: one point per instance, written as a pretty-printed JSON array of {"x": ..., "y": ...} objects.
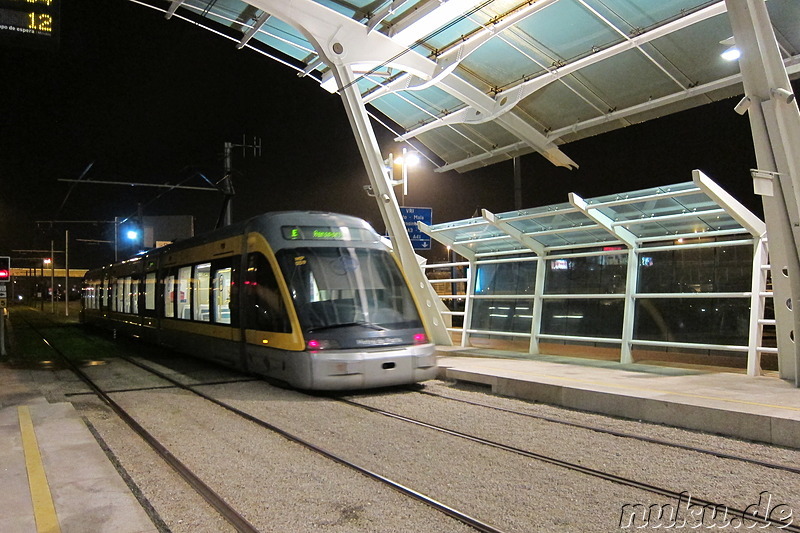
[{"x": 311, "y": 299}]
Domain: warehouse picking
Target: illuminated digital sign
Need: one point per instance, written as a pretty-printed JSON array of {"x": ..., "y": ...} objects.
[
  {"x": 324, "y": 233},
  {"x": 30, "y": 23}
]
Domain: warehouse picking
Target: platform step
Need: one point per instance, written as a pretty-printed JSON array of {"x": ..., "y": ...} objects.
[{"x": 86, "y": 491}]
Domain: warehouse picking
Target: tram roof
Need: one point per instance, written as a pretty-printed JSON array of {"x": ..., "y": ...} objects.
[
  {"x": 481, "y": 81},
  {"x": 691, "y": 211}
]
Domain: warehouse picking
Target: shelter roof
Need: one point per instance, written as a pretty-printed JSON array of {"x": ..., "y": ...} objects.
[
  {"x": 481, "y": 81},
  {"x": 698, "y": 210}
]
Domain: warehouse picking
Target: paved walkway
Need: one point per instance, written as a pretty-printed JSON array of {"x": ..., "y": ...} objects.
[
  {"x": 765, "y": 409},
  {"x": 54, "y": 474}
]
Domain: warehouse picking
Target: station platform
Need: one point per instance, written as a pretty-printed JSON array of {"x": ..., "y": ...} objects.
[
  {"x": 763, "y": 408},
  {"x": 54, "y": 474}
]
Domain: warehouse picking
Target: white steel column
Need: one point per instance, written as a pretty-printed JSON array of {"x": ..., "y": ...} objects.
[
  {"x": 775, "y": 123},
  {"x": 538, "y": 302},
  {"x": 472, "y": 274},
  {"x": 387, "y": 203},
  {"x": 757, "y": 285},
  {"x": 629, "y": 309},
  {"x": 341, "y": 41},
  {"x": 632, "y": 276}
]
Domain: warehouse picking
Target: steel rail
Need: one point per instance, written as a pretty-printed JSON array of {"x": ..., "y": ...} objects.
[
  {"x": 738, "y": 513},
  {"x": 652, "y": 440},
  {"x": 215, "y": 500},
  {"x": 439, "y": 506}
]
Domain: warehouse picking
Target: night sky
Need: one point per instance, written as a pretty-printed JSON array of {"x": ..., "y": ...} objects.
[{"x": 144, "y": 99}]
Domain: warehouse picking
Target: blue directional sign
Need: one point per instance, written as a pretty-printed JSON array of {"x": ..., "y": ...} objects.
[{"x": 412, "y": 215}]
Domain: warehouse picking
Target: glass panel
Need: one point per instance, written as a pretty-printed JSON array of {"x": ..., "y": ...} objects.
[
  {"x": 583, "y": 318},
  {"x": 126, "y": 295},
  {"x": 119, "y": 295},
  {"x": 264, "y": 307},
  {"x": 512, "y": 316},
  {"x": 135, "y": 296},
  {"x": 506, "y": 278},
  {"x": 699, "y": 320},
  {"x": 201, "y": 300},
  {"x": 150, "y": 291},
  {"x": 184, "y": 283},
  {"x": 222, "y": 291},
  {"x": 169, "y": 296},
  {"x": 719, "y": 269},
  {"x": 602, "y": 274},
  {"x": 337, "y": 287}
]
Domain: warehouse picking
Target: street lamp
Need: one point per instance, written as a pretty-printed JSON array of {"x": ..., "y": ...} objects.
[{"x": 405, "y": 160}]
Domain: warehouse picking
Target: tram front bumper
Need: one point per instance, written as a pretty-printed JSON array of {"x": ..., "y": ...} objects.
[{"x": 356, "y": 369}]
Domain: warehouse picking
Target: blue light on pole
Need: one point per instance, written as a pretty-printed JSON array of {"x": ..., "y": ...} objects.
[{"x": 133, "y": 235}]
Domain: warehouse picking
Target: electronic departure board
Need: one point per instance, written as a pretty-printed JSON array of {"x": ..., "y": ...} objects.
[{"x": 30, "y": 23}]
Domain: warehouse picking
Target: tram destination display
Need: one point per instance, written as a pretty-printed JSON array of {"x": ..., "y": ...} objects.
[{"x": 30, "y": 23}]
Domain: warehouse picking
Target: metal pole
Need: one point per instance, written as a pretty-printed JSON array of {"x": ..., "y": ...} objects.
[
  {"x": 52, "y": 278},
  {"x": 227, "y": 186},
  {"x": 2, "y": 331},
  {"x": 775, "y": 123},
  {"x": 405, "y": 175},
  {"x": 517, "y": 183},
  {"x": 387, "y": 204},
  {"x": 66, "y": 274}
]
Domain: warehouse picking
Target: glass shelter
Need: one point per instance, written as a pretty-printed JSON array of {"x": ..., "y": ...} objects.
[{"x": 676, "y": 273}]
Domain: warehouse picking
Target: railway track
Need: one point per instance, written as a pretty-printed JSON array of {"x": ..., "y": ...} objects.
[
  {"x": 231, "y": 514},
  {"x": 671, "y": 444},
  {"x": 629, "y": 482},
  {"x": 741, "y": 514}
]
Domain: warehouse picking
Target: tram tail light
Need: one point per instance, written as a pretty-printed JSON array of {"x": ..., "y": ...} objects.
[
  {"x": 420, "y": 338},
  {"x": 321, "y": 344}
]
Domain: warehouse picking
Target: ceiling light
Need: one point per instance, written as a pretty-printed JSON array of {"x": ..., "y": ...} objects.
[{"x": 731, "y": 54}]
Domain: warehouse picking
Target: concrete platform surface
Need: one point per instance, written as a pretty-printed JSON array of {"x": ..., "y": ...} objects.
[
  {"x": 84, "y": 490},
  {"x": 765, "y": 409}
]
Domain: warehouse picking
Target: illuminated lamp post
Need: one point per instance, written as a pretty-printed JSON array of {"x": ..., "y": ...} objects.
[
  {"x": 46, "y": 261},
  {"x": 405, "y": 160}
]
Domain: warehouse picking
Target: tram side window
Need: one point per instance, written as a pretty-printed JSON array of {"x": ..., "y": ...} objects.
[
  {"x": 134, "y": 296},
  {"x": 88, "y": 292},
  {"x": 201, "y": 300},
  {"x": 119, "y": 294},
  {"x": 126, "y": 295},
  {"x": 222, "y": 295},
  {"x": 150, "y": 291},
  {"x": 184, "y": 284},
  {"x": 104, "y": 296},
  {"x": 264, "y": 306},
  {"x": 169, "y": 296}
]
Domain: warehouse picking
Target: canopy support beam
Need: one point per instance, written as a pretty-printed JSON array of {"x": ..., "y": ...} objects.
[{"x": 775, "y": 123}]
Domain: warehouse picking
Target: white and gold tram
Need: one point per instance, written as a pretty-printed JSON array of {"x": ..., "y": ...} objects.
[{"x": 311, "y": 299}]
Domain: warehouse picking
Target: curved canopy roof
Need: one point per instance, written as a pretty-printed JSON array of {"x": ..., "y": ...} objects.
[{"x": 480, "y": 81}]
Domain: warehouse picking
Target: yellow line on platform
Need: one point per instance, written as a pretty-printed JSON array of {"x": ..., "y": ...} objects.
[
  {"x": 627, "y": 387},
  {"x": 44, "y": 510}
]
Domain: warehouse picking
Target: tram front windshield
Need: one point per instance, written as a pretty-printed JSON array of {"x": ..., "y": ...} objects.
[{"x": 342, "y": 287}]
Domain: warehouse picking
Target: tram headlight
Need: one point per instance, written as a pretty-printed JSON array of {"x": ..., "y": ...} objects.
[{"x": 322, "y": 344}]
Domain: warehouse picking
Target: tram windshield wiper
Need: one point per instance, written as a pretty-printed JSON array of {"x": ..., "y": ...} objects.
[{"x": 369, "y": 325}]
